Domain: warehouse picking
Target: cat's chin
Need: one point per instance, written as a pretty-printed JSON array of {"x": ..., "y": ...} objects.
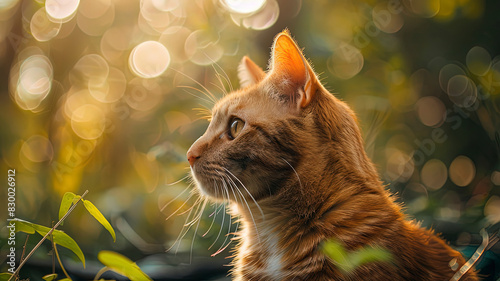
[
  {"x": 209, "y": 190},
  {"x": 215, "y": 192}
]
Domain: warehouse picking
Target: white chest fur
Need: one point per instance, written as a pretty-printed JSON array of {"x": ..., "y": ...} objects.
[{"x": 274, "y": 260}]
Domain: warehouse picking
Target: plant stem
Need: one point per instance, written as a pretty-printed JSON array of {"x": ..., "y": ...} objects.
[
  {"x": 53, "y": 257},
  {"x": 24, "y": 247},
  {"x": 46, "y": 235},
  {"x": 59, "y": 260},
  {"x": 101, "y": 272}
]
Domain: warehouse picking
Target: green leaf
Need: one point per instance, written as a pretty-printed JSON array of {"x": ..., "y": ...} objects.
[
  {"x": 122, "y": 265},
  {"x": 49, "y": 277},
  {"x": 5, "y": 276},
  {"x": 336, "y": 252},
  {"x": 349, "y": 261},
  {"x": 60, "y": 238},
  {"x": 66, "y": 202},
  {"x": 99, "y": 217},
  {"x": 24, "y": 226},
  {"x": 65, "y": 279},
  {"x": 371, "y": 254}
]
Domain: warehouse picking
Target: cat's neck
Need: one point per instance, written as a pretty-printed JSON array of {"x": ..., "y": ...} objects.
[
  {"x": 309, "y": 201},
  {"x": 337, "y": 197}
]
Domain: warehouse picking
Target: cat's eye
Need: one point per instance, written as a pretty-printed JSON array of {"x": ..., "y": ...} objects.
[{"x": 236, "y": 127}]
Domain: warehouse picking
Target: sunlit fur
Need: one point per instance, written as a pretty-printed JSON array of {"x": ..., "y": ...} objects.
[{"x": 297, "y": 175}]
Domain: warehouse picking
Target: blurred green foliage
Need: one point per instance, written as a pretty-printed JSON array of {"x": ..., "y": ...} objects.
[
  {"x": 102, "y": 95},
  {"x": 348, "y": 261}
]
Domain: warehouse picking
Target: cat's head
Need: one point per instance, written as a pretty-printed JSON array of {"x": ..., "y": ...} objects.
[{"x": 280, "y": 128}]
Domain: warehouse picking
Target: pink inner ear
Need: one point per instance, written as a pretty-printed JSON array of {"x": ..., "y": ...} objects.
[{"x": 287, "y": 59}]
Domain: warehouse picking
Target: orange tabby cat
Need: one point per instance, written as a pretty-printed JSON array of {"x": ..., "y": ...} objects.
[{"x": 289, "y": 157}]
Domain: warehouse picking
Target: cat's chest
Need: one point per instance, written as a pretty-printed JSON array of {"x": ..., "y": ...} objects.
[
  {"x": 274, "y": 260},
  {"x": 263, "y": 254}
]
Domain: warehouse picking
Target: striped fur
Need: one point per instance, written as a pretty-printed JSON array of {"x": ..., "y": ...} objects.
[{"x": 297, "y": 175}]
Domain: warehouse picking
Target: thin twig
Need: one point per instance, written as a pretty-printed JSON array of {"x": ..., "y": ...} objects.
[
  {"x": 24, "y": 247},
  {"x": 47, "y": 235},
  {"x": 101, "y": 272},
  {"x": 59, "y": 260},
  {"x": 24, "y": 250},
  {"x": 53, "y": 257}
]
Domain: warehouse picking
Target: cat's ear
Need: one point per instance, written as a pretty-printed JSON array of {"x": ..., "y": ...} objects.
[
  {"x": 289, "y": 62},
  {"x": 249, "y": 73}
]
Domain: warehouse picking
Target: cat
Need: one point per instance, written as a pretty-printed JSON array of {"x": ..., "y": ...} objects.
[{"x": 290, "y": 159}]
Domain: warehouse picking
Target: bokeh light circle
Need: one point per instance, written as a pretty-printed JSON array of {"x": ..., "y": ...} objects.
[
  {"x": 42, "y": 28},
  {"x": 434, "y": 174},
  {"x": 149, "y": 59},
  {"x": 111, "y": 90},
  {"x": 431, "y": 111},
  {"x": 114, "y": 42},
  {"x": 7, "y": 4},
  {"x": 243, "y": 6},
  {"x": 34, "y": 82},
  {"x": 37, "y": 149},
  {"x": 495, "y": 178},
  {"x": 88, "y": 122},
  {"x": 262, "y": 20},
  {"x": 462, "y": 171},
  {"x": 166, "y": 5},
  {"x": 426, "y": 8},
  {"x": 462, "y": 91},
  {"x": 178, "y": 34},
  {"x": 94, "y": 17},
  {"x": 346, "y": 62},
  {"x": 478, "y": 60},
  {"x": 416, "y": 197},
  {"x": 61, "y": 9},
  {"x": 202, "y": 49},
  {"x": 90, "y": 69},
  {"x": 386, "y": 21},
  {"x": 143, "y": 95},
  {"x": 399, "y": 165},
  {"x": 447, "y": 72},
  {"x": 492, "y": 209},
  {"x": 94, "y": 9},
  {"x": 151, "y": 17}
]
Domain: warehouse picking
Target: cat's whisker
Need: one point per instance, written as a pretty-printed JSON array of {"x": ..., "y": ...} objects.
[
  {"x": 214, "y": 214},
  {"x": 222, "y": 247},
  {"x": 176, "y": 197},
  {"x": 209, "y": 100},
  {"x": 203, "y": 113},
  {"x": 298, "y": 178},
  {"x": 228, "y": 81},
  {"x": 196, "y": 230},
  {"x": 190, "y": 208},
  {"x": 184, "y": 230},
  {"x": 225, "y": 76},
  {"x": 178, "y": 209},
  {"x": 217, "y": 211},
  {"x": 223, "y": 217},
  {"x": 223, "y": 90},
  {"x": 187, "y": 226},
  {"x": 199, "y": 212},
  {"x": 206, "y": 93},
  {"x": 222, "y": 86},
  {"x": 249, "y": 194},
  {"x": 243, "y": 199},
  {"x": 180, "y": 180}
]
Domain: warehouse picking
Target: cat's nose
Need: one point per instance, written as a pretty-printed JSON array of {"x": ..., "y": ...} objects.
[
  {"x": 192, "y": 155},
  {"x": 196, "y": 150}
]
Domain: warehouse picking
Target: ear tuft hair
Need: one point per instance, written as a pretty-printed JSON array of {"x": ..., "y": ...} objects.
[{"x": 249, "y": 73}]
